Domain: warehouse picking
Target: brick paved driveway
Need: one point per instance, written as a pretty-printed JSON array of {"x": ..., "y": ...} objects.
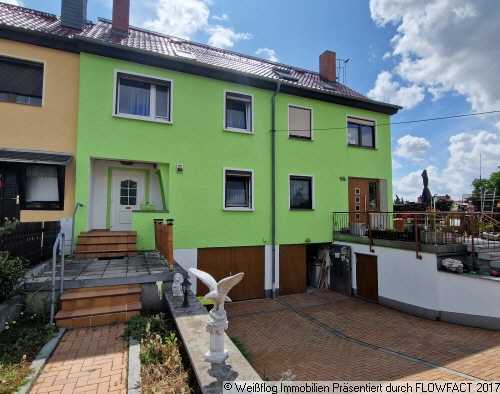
[
  {"x": 87, "y": 360},
  {"x": 326, "y": 336}
]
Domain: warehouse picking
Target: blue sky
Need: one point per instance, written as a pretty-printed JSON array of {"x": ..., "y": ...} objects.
[{"x": 434, "y": 57}]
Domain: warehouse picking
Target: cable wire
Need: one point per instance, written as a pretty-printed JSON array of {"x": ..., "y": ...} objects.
[{"x": 403, "y": 121}]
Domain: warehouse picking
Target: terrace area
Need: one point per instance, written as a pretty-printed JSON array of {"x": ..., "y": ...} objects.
[{"x": 473, "y": 235}]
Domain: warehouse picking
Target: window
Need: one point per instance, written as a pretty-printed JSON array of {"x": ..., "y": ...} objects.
[
  {"x": 238, "y": 190},
  {"x": 238, "y": 112},
  {"x": 43, "y": 187},
  {"x": 143, "y": 97},
  {"x": 299, "y": 122},
  {"x": 21, "y": 81},
  {"x": 301, "y": 192},
  {"x": 361, "y": 133},
  {"x": 128, "y": 192}
]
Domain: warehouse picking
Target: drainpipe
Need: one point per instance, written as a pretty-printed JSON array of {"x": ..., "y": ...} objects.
[{"x": 273, "y": 188}]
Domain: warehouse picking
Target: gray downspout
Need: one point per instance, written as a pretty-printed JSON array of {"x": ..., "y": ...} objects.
[{"x": 273, "y": 189}]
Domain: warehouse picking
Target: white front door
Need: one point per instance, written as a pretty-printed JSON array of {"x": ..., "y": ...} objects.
[{"x": 127, "y": 194}]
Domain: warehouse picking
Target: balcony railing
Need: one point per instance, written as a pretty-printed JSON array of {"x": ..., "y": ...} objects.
[{"x": 422, "y": 228}]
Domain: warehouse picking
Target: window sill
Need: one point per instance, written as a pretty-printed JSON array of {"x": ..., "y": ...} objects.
[
  {"x": 297, "y": 138},
  {"x": 241, "y": 131},
  {"x": 143, "y": 118},
  {"x": 237, "y": 209},
  {"x": 362, "y": 147}
]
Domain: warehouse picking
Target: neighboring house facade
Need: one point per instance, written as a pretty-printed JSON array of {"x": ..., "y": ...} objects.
[
  {"x": 249, "y": 157},
  {"x": 38, "y": 112}
]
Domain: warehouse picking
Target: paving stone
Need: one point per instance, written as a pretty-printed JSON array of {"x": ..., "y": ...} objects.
[
  {"x": 86, "y": 360},
  {"x": 296, "y": 334}
]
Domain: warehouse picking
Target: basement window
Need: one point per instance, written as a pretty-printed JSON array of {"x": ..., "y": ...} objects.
[
  {"x": 238, "y": 190},
  {"x": 301, "y": 192},
  {"x": 143, "y": 98},
  {"x": 21, "y": 81},
  {"x": 361, "y": 133},
  {"x": 238, "y": 112}
]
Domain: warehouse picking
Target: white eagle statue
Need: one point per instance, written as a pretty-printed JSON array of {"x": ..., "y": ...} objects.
[{"x": 217, "y": 291}]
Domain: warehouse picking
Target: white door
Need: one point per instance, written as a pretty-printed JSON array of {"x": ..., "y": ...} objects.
[{"x": 126, "y": 196}]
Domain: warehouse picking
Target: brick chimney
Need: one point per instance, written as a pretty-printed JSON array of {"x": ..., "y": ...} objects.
[
  {"x": 74, "y": 13},
  {"x": 328, "y": 66},
  {"x": 121, "y": 17}
]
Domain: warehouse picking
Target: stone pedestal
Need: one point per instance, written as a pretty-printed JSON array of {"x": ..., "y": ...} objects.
[{"x": 216, "y": 325}]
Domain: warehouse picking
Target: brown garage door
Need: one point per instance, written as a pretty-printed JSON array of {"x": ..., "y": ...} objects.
[
  {"x": 367, "y": 276},
  {"x": 222, "y": 262},
  {"x": 293, "y": 276}
]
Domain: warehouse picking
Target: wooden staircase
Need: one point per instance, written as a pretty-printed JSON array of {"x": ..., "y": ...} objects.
[
  {"x": 98, "y": 306},
  {"x": 106, "y": 244}
]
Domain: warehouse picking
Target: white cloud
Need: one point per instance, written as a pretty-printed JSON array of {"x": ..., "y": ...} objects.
[
  {"x": 13, "y": 2},
  {"x": 185, "y": 18},
  {"x": 446, "y": 45},
  {"x": 267, "y": 53},
  {"x": 461, "y": 168},
  {"x": 388, "y": 90},
  {"x": 181, "y": 18},
  {"x": 225, "y": 37},
  {"x": 412, "y": 148},
  {"x": 220, "y": 18}
]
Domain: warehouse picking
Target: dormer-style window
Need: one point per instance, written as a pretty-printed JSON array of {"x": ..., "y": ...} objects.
[
  {"x": 21, "y": 81},
  {"x": 238, "y": 112},
  {"x": 145, "y": 98},
  {"x": 361, "y": 133}
]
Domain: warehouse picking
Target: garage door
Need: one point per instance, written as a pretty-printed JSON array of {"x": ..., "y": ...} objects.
[
  {"x": 367, "y": 276},
  {"x": 222, "y": 262},
  {"x": 293, "y": 273}
]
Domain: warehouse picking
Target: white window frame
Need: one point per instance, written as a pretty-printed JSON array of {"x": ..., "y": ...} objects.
[
  {"x": 313, "y": 192},
  {"x": 152, "y": 92},
  {"x": 249, "y": 116},
  {"x": 353, "y": 119},
  {"x": 295, "y": 137},
  {"x": 44, "y": 75},
  {"x": 252, "y": 194}
]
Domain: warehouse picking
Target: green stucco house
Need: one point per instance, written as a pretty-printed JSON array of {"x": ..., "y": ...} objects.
[{"x": 247, "y": 156}]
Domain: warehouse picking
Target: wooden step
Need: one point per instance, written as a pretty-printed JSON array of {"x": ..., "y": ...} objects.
[
  {"x": 106, "y": 244},
  {"x": 94, "y": 306},
  {"x": 97, "y": 316},
  {"x": 104, "y": 255},
  {"x": 125, "y": 247},
  {"x": 107, "y": 233},
  {"x": 100, "y": 291},
  {"x": 100, "y": 297}
]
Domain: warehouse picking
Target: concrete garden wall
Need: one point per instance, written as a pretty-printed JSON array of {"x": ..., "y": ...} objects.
[{"x": 416, "y": 286}]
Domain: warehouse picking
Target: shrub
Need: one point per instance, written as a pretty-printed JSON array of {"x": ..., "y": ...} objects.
[{"x": 11, "y": 273}]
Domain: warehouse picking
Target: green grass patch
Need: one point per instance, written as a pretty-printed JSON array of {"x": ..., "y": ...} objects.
[
  {"x": 20, "y": 342},
  {"x": 241, "y": 347}
]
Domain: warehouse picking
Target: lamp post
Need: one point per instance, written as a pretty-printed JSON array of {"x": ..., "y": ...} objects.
[{"x": 186, "y": 285}]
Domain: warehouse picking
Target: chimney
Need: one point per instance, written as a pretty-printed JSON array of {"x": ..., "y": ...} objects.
[
  {"x": 121, "y": 16},
  {"x": 74, "y": 13},
  {"x": 328, "y": 66}
]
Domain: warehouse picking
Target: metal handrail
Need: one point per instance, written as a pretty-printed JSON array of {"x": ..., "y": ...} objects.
[
  {"x": 58, "y": 247},
  {"x": 77, "y": 205}
]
